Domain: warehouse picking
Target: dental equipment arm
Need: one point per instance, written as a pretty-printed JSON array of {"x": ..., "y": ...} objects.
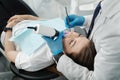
[{"x": 45, "y": 31}]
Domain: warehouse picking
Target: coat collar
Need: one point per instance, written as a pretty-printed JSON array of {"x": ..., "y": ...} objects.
[{"x": 108, "y": 9}]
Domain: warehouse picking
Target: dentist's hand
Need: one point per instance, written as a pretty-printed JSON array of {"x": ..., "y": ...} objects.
[
  {"x": 55, "y": 45},
  {"x": 74, "y": 20}
]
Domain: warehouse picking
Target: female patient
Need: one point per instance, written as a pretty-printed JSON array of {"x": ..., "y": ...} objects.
[
  {"x": 80, "y": 49},
  {"x": 84, "y": 54}
]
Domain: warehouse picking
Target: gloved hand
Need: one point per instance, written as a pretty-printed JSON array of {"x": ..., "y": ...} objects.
[
  {"x": 74, "y": 20},
  {"x": 55, "y": 45}
]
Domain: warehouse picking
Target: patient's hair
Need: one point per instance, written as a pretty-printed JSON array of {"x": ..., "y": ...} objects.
[{"x": 86, "y": 56}]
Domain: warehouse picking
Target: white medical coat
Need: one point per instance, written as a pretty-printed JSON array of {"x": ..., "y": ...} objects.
[{"x": 106, "y": 36}]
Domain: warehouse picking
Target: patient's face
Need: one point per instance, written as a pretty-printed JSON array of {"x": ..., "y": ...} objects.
[{"x": 73, "y": 43}]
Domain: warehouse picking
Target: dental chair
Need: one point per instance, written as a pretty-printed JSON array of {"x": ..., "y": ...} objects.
[{"x": 43, "y": 74}]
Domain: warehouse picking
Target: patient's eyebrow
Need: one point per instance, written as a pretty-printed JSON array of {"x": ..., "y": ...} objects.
[{"x": 79, "y": 35}]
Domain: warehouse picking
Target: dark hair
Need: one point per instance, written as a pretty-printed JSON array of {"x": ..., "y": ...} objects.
[{"x": 86, "y": 56}]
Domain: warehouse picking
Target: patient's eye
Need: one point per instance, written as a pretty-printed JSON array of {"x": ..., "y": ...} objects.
[
  {"x": 72, "y": 43},
  {"x": 79, "y": 35}
]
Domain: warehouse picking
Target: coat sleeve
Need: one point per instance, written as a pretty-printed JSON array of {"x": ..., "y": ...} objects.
[{"x": 73, "y": 71}]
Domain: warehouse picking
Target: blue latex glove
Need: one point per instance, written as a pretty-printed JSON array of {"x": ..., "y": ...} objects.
[
  {"x": 55, "y": 45},
  {"x": 74, "y": 20}
]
